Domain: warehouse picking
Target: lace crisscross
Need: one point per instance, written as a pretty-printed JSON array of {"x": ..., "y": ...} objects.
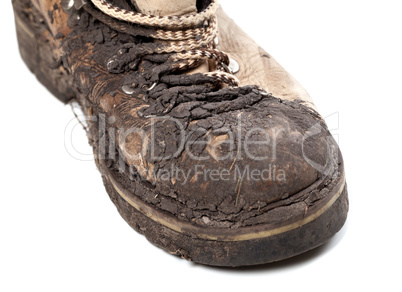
[{"x": 189, "y": 39}]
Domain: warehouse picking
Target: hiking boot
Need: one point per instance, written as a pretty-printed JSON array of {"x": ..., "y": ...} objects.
[{"x": 206, "y": 145}]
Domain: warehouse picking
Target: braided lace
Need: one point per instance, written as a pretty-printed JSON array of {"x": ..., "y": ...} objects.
[{"x": 189, "y": 39}]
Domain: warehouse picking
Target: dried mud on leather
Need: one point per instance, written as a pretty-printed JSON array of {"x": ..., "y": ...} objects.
[
  {"x": 88, "y": 30},
  {"x": 104, "y": 42}
]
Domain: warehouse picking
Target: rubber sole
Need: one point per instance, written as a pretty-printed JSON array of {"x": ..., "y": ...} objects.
[{"x": 240, "y": 247}]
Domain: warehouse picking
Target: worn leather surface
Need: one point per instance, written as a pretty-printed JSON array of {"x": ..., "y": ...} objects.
[
  {"x": 56, "y": 19},
  {"x": 256, "y": 65},
  {"x": 208, "y": 121}
]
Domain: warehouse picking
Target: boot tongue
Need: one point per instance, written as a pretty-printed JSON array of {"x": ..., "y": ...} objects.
[
  {"x": 171, "y": 8},
  {"x": 166, "y": 7}
]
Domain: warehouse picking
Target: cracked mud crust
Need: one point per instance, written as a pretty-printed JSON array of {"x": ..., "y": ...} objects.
[
  {"x": 73, "y": 67},
  {"x": 224, "y": 211}
]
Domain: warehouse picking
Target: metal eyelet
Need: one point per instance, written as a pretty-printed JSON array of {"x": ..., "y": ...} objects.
[
  {"x": 151, "y": 87},
  {"x": 232, "y": 68},
  {"x": 216, "y": 41},
  {"x": 127, "y": 89}
]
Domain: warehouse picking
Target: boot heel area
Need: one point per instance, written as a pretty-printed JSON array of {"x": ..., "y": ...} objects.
[{"x": 38, "y": 50}]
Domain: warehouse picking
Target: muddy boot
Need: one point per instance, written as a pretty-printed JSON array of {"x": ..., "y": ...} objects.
[{"x": 205, "y": 144}]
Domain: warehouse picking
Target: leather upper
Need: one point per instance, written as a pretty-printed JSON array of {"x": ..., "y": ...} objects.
[{"x": 216, "y": 154}]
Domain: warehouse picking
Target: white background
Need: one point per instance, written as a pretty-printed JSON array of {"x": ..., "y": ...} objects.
[{"x": 60, "y": 232}]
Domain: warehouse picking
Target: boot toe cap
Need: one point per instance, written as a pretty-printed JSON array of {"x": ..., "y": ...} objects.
[{"x": 235, "y": 165}]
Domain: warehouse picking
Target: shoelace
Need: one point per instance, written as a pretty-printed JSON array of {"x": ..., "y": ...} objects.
[{"x": 189, "y": 38}]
